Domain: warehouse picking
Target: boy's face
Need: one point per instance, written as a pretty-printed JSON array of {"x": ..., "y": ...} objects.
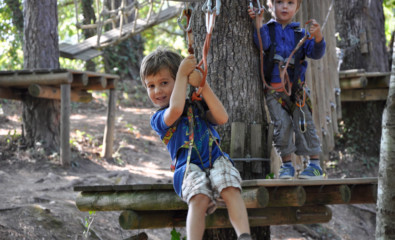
[
  {"x": 160, "y": 87},
  {"x": 285, "y": 10}
]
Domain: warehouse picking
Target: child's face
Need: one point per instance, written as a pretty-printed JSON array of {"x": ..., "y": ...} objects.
[
  {"x": 285, "y": 10},
  {"x": 160, "y": 87}
]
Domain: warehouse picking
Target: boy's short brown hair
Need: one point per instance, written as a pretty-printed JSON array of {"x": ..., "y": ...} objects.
[{"x": 157, "y": 60}]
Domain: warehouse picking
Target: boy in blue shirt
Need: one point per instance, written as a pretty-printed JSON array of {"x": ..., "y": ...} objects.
[
  {"x": 289, "y": 110},
  {"x": 203, "y": 173}
]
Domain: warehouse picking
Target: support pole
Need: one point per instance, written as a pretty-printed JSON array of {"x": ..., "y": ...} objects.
[
  {"x": 108, "y": 140},
  {"x": 65, "y": 152}
]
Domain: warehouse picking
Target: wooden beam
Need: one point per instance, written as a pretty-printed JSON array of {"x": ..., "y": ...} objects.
[
  {"x": 154, "y": 200},
  {"x": 54, "y": 93},
  {"x": 363, "y": 194},
  {"x": 9, "y": 93},
  {"x": 131, "y": 220},
  {"x": 24, "y": 80},
  {"x": 330, "y": 194},
  {"x": 351, "y": 83},
  {"x": 286, "y": 196},
  {"x": 361, "y": 95}
]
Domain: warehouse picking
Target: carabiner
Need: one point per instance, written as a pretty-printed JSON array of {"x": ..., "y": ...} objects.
[
  {"x": 185, "y": 13},
  {"x": 307, "y": 34},
  {"x": 208, "y": 7},
  {"x": 302, "y": 121}
]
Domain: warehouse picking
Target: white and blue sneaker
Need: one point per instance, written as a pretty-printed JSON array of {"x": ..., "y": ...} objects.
[
  {"x": 312, "y": 172},
  {"x": 287, "y": 171}
]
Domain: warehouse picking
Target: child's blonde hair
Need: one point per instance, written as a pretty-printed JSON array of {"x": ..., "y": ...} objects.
[{"x": 161, "y": 58}]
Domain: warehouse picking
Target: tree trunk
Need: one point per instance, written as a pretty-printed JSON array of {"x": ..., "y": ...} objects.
[
  {"x": 361, "y": 39},
  {"x": 385, "y": 221},
  {"x": 233, "y": 74},
  {"x": 89, "y": 17},
  {"x": 360, "y": 24},
  {"x": 41, "y": 117}
]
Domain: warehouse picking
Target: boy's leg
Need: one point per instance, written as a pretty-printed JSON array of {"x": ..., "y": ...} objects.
[
  {"x": 196, "y": 216},
  {"x": 236, "y": 210},
  {"x": 307, "y": 143},
  {"x": 226, "y": 183},
  {"x": 282, "y": 133}
]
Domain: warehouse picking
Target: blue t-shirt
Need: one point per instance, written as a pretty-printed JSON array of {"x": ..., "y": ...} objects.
[
  {"x": 180, "y": 137},
  {"x": 285, "y": 40}
]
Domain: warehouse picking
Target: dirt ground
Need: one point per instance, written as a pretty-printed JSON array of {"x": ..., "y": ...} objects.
[{"x": 37, "y": 200}]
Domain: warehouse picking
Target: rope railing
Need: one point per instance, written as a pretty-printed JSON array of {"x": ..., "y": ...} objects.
[{"x": 118, "y": 17}]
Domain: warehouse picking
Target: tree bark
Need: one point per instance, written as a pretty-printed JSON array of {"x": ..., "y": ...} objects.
[
  {"x": 233, "y": 74},
  {"x": 41, "y": 118},
  {"x": 360, "y": 25},
  {"x": 385, "y": 221}
]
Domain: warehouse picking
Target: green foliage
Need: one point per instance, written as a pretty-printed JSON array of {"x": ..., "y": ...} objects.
[
  {"x": 270, "y": 176},
  {"x": 88, "y": 220},
  {"x": 389, "y": 13},
  {"x": 176, "y": 235}
]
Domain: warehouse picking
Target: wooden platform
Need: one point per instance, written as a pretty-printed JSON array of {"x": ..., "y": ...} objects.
[
  {"x": 358, "y": 85},
  {"x": 269, "y": 202},
  {"x": 65, "y": 85}
]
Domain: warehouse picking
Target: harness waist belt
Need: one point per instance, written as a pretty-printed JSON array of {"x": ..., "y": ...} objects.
[{"x": 281, "y": 59}]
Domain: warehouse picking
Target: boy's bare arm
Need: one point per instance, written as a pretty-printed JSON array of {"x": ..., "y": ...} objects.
[
  {"x": 217, "y": 113},
  {"x": 177, "y": 99}
]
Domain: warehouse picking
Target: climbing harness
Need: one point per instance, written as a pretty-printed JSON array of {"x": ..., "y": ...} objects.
[{"x": 190, "y": 144}]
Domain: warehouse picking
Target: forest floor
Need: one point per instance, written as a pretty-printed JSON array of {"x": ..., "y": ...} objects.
[{"x": 37, "y": 200}]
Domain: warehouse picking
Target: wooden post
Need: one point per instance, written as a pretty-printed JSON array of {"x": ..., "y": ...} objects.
[
  {"x": 330, "y": 194},
  {"x": 257, "y": 168},
  {"x": 356, "y": 82},
  {"x": 286, "y": 196},
  {"x": 65, "y": 151},
  {"x": 108, "y": 140},
  {"x": 219, "y": 219},
  {"x": 237, "y": 143}
]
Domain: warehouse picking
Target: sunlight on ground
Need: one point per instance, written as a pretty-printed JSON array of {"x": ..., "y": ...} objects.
[{"x": 138, "y": 111}]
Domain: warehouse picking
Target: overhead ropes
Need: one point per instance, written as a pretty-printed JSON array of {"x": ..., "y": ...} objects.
[
  {"x": 118, "y": 17},
  {"x": 211, "y": 12}
]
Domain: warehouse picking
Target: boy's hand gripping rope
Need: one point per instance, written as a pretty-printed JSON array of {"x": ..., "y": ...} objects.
[{"x": 211, "y": 13}]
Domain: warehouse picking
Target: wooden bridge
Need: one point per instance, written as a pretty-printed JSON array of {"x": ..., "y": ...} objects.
[{"x": 268, "y": 202}]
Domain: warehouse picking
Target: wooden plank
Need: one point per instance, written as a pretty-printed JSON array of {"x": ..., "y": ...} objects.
[
  {"x": 361, "y": 95},
  {"x": 327, "y": 194},
  {"x": 65, "y": 151},
  {"x": 301, "y": 182},
  {"x": 84, "y": 55},
  {"x": 237, "y": 139},
  {"x": 256, "y": 149},
  {"x": 219, "y": 219},
  {"x": 164, "y": 15},
  {"x": 244, "y": 184}
]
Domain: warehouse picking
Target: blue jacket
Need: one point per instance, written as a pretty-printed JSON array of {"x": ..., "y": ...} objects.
[
  {"x": 285, "y": 44},
  {"x": 180, "y": 136}
]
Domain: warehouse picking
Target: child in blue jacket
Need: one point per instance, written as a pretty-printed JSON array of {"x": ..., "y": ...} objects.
[
  {"x": 288, "y": 103},
  {"x": 203, "y": 173}
]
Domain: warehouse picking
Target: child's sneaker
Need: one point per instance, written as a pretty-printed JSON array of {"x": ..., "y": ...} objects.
[
  {"x": 311, "y": 172},
  {"x": 287, "y": 171}
]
